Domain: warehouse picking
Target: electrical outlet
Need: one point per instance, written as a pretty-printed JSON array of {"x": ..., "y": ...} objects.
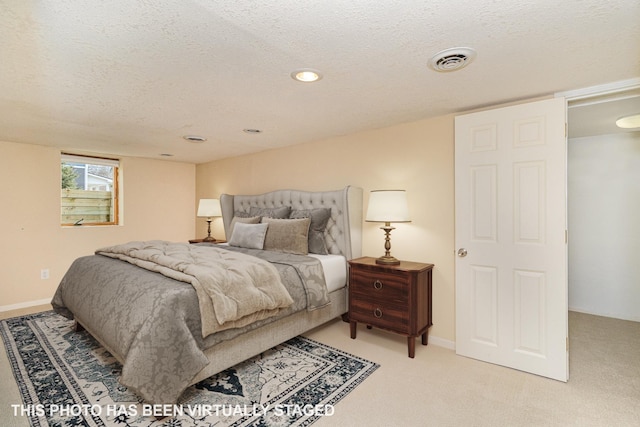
[{"x": 44, "y": 273}]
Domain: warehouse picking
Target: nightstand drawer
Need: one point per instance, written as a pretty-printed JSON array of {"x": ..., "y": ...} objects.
[
  {"x": 388, "y": 316},
  {"x": 379, "y": 287}
]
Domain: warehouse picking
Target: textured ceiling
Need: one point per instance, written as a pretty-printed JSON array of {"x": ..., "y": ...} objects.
[{"x": 132, "y": 77}]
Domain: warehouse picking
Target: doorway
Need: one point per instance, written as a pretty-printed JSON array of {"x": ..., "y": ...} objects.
[{"x": 604, "y": 202}]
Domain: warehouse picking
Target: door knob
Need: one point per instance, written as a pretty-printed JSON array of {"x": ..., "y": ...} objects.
[{"x": 462, "y": 252}]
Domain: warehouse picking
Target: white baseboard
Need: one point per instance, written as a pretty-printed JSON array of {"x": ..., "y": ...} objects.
[
  {"x": 441, "y": 342},
  {"x": 24, "y": 305}
]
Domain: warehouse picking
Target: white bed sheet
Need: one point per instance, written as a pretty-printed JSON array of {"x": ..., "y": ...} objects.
[{"x": 335, "y": 270}]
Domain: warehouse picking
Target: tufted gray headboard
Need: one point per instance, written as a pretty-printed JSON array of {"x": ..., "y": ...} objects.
[{"x": 343, "y": 234}]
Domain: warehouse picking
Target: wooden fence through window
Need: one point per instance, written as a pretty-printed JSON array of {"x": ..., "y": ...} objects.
[{"x": 89, "y": 206}]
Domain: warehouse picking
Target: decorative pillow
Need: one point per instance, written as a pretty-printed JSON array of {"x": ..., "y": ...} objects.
[
  {"x": 239, "y": 214},
  {"x": 287, "y": 235},
  {"x": 319, "y": 219},
  {"x": 281, "y": 212},
  {"x": 249, "y": 236},
  {"x": 243, "y": 220}
]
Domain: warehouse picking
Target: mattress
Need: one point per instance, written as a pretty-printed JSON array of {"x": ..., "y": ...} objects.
[{"x": 335, "y": 270}]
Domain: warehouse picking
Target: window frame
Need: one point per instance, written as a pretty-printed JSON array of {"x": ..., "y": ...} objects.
[{"x": 66, "y": 157}]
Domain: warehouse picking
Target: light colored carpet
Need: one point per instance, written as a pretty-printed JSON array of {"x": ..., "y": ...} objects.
[{"x": 438, "y": 388}]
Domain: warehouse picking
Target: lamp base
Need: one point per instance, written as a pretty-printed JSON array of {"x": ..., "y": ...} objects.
[
  {"x": 387, "y": 260},
  {"x": 209, "y": 239}
]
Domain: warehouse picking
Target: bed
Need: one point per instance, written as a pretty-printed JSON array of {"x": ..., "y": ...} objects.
[{"x": 153, "y": 323}]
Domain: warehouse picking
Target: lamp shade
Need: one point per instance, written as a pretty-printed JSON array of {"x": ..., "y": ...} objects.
[
  {"x": 388, "y": 206},
  {"x": 209, "y": 208}
]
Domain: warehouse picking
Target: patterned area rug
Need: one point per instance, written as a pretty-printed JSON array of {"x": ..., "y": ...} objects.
[{"x": 67, "y": 379}]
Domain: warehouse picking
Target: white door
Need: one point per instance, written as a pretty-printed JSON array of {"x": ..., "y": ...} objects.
[{"x": 511, "y": 266}]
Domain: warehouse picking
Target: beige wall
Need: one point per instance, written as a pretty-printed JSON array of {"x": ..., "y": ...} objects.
[
  {"x": 160, "y": 199},
  {"x": 417, "y": 157},
  {"x": 158, "y": 203}
]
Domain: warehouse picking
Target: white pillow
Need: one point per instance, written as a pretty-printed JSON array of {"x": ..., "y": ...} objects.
[{"x": 250, "y": 236}]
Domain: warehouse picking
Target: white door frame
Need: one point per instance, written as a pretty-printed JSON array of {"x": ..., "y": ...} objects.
[{"x": 602, "y": 93}]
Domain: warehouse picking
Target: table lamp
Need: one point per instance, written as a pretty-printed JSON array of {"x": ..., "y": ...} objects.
[
  {"x": 388, "y": 206},
  {"x": 209, "y": 208}
]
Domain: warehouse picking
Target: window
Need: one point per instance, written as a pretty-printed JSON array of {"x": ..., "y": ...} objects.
[{"x": 89, "y": 190}]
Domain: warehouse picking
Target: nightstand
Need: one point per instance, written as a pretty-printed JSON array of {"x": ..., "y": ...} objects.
[{"x": 395, "y": 298}]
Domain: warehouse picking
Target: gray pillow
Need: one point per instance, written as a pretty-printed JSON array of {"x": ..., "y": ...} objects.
[
  {"x": 249, "y": 236},
  {"x": 243, "y": 220},
  {"x": 281, "y": 212},
  {"x": 287, "y": 235},
  {"x": 319, "y": 219}
]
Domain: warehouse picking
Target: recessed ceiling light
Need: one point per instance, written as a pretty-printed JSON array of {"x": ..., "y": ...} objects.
[
  {"x": 251, "y": 131},
  {"x": 452, "y": 59},
  {"x": 629, "y": 122},
  {"x": 194, "y": 138},
  {"x": 306, "y": 75}
]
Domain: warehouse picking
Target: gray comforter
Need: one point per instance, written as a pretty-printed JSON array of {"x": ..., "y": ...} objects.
[
  {"x": 234, "y": 289},
  {"x": 151, "y": 322}
]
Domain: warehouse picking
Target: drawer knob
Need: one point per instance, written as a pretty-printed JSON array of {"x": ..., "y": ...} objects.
[
  {"x": 377, "y": 284},
  {"x": 377, "y": 313}
]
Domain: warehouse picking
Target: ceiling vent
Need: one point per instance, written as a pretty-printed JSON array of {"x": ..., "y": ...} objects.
[
  {"x": 452, "y": 59},
  {"x": 194, "y": 138}
]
